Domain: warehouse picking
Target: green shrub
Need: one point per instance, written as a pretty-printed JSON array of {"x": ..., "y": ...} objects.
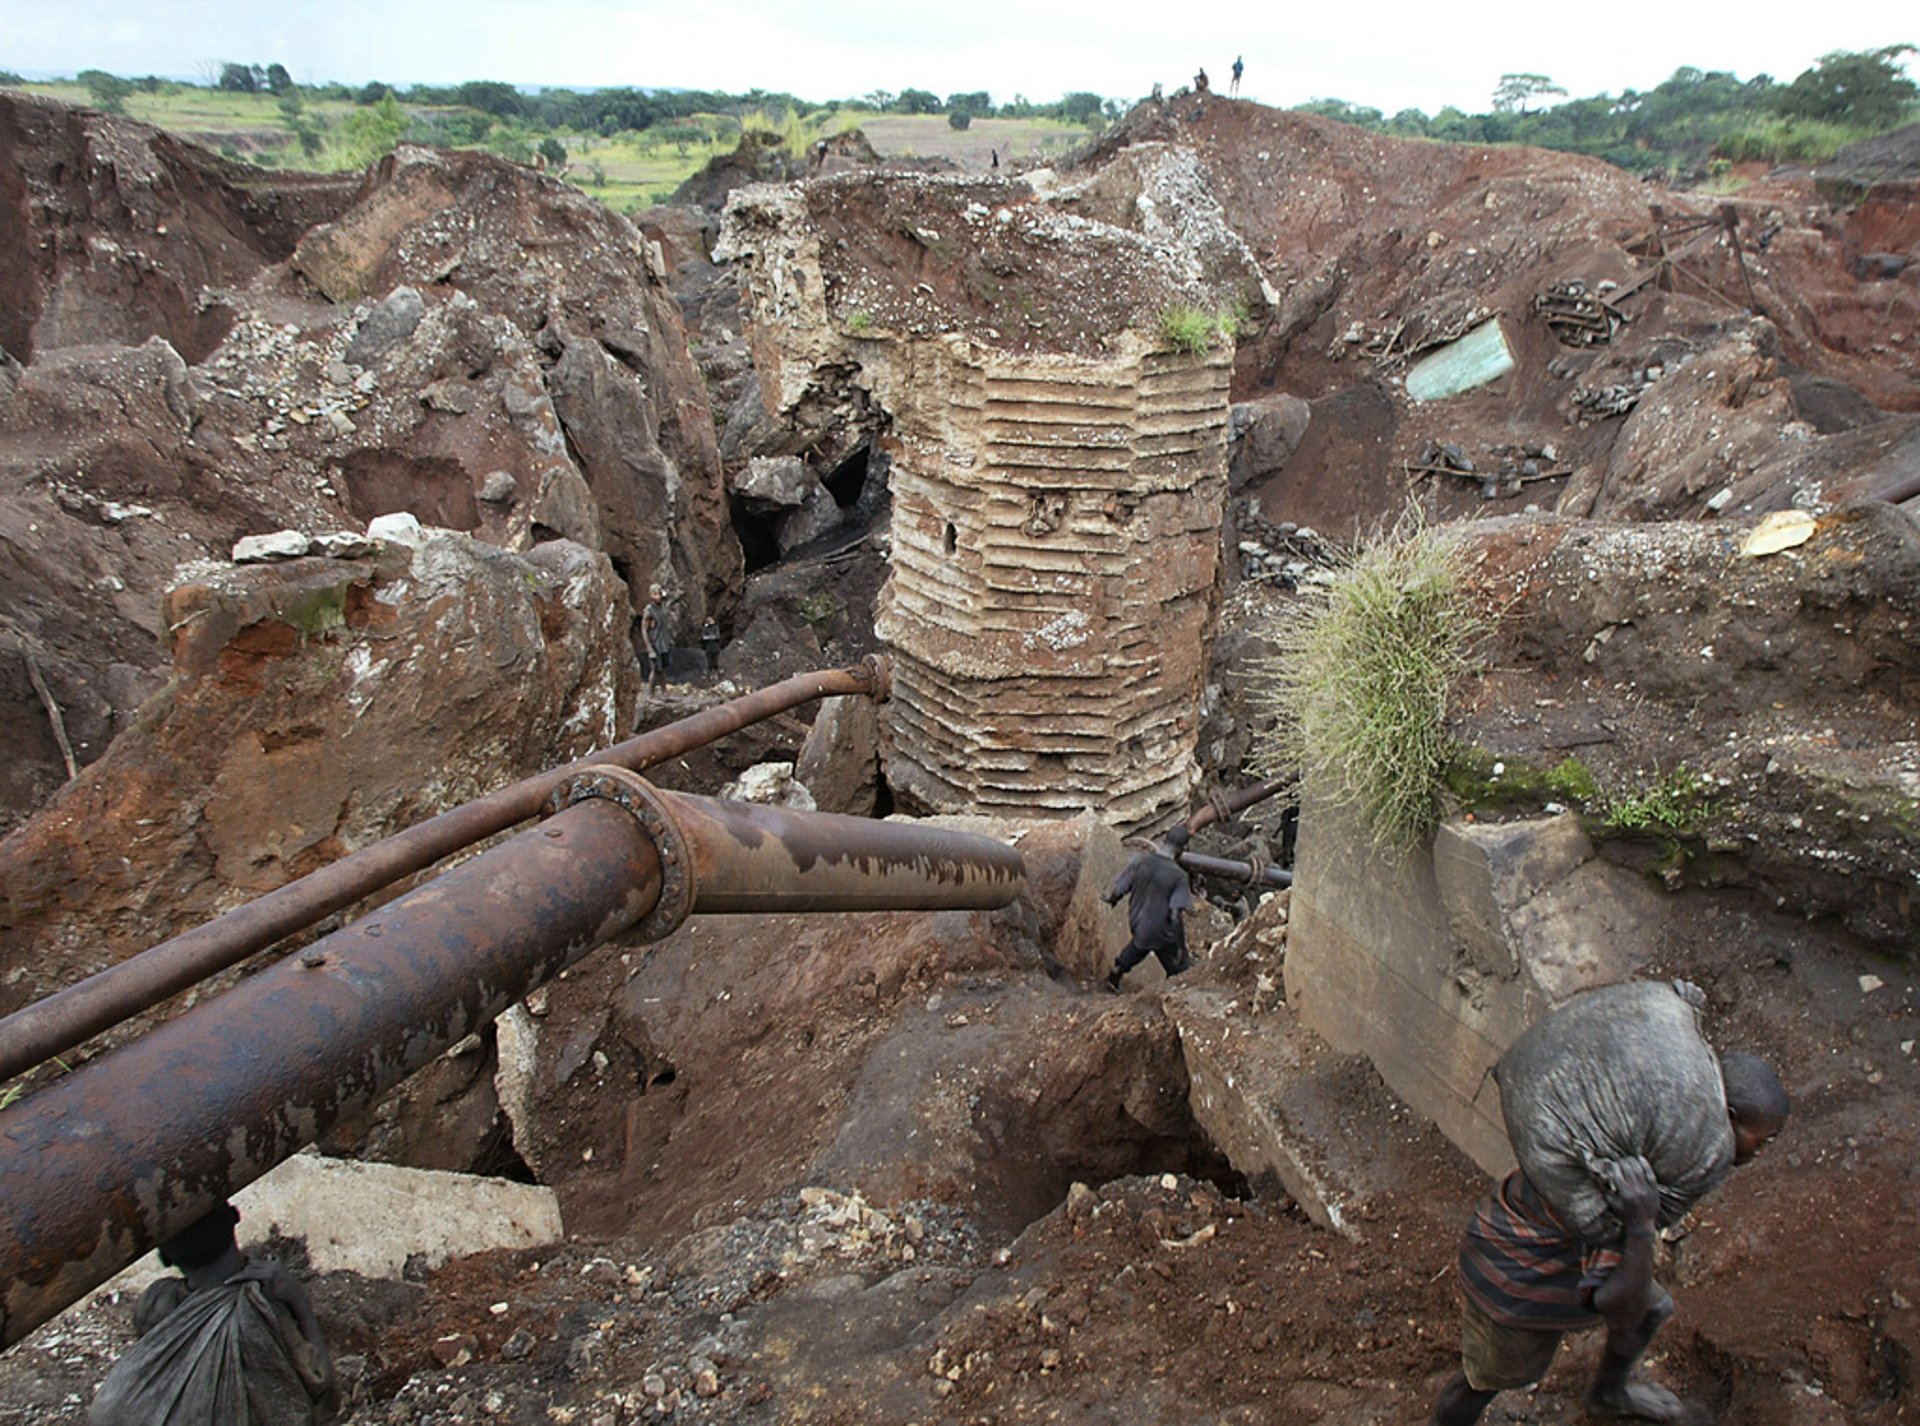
[
  {"x": 1675, "y": 806},
  {"x": 1359, "y": 687},
  {"x": 1784, "y": 140},
  {"x": 1190, "y": 330}
]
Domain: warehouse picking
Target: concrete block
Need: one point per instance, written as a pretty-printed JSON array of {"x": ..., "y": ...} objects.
[
  {"x": 371, "y": 1218},
  {"x": 1284, "y": 1107},
  {"x": 1432, "y": 963},
  {"x": 1484, "y": 870}
]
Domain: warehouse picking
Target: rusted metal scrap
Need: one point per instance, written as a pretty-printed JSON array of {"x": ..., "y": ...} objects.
[
  {"x": 1616, "y": 398},
  {"x": 1442, "y": 458},
  {"x": 1518, "y": 466},
  {"x": 105, "y": 1162},
  {"x": 1577, "y": 316}
]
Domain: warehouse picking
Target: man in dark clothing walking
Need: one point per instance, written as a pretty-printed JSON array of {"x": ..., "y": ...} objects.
[{"x": 1158, "y": 892}]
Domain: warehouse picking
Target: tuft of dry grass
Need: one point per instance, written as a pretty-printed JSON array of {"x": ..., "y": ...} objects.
[{"x": 1362, "y": 677}]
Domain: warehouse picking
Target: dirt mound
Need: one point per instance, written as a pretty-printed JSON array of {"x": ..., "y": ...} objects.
[{"x": 1383, "y": 249}]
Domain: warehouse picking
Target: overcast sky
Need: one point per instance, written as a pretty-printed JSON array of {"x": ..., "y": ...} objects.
[{"x": 1390, "y": 54}]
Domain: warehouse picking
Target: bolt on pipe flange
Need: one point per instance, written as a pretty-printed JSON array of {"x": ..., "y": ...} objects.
[{"x": 637, "y": 795}]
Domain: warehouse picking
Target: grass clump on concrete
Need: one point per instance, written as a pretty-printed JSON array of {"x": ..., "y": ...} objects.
[{"x": 1360, "y": 684}]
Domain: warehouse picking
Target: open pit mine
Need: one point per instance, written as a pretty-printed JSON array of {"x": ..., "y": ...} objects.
[{"x": 726, "y": 1037}]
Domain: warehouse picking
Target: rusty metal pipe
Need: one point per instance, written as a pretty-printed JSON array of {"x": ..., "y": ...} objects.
[
  {"x": 1223, "y": 805},
  {"x": 1898, "y": 492},
  {"x": 749, "y": 858},
  {"x": 1235, "y": 871},
  {"x": 68, "y": 1017},
  {"x": 105, "y": 1162}
]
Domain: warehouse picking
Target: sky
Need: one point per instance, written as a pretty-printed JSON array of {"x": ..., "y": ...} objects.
[{"x": 1387, "y": 54}]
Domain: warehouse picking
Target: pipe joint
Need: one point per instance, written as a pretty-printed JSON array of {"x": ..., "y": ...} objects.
[{"x": 679, "y": 884}]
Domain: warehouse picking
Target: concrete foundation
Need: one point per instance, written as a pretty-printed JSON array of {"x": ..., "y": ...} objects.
[{"x": 1432, "y": 963}]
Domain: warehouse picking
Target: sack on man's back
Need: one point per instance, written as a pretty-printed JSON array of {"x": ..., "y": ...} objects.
[
  {"x": 224, "y": 1356},
  {"x": 1616, "y": 1072}
]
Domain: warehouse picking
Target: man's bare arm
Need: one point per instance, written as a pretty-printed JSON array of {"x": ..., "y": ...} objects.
[{"x": 1623, "y": 1299}]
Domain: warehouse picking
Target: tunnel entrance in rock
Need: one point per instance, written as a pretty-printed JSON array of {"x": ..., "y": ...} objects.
[
  {"x": 847, "y": 481},
  {"x": 758, "y": 543},
  {"x": 1024, "y": 1184}
]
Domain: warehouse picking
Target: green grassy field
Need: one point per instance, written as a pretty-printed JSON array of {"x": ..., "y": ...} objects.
[{"x": 627, "y": 172}]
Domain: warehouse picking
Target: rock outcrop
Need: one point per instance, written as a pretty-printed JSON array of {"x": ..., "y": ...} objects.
[
  {"x": 450, "y": 335},
  {"x": 316, "y": 705}
]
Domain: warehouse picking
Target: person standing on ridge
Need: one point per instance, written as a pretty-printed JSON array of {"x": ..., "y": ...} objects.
[
  {"x": 653, "y": 635},
  {"x": 1238, "y": 66},
  {"x": 1157, "y": 892}
]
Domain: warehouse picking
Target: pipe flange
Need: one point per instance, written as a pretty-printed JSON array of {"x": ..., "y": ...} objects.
[
  {"x": 877, "y": 671},
  {"x": 1222, "y": 809},
  {"x": 638, "y": 796}
]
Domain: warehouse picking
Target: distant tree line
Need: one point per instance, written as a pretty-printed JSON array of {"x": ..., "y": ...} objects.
[
  {"x": 623, "y": 110},
  {"x": 1695, "y": 120},
  {"x": 1686, "y": 124}
]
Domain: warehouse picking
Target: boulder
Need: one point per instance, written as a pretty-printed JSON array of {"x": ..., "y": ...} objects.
[
  {"x": 840, "y": 760},
  {"x": 395, "y": 319},
  {"x": 316, "y": 706},
  {"x": 771, "y": 483},
  {"x": 1261, "y": 436},
  {"x": 772, "y": 785}
]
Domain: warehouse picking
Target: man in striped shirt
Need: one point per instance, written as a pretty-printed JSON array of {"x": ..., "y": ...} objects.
[{"x": 1527, "y": 1280}]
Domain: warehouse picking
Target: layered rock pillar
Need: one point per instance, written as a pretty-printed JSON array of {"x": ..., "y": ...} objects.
[
  {"x": 1057, "y": 467},
  {"x": 1055, "y": 540}
]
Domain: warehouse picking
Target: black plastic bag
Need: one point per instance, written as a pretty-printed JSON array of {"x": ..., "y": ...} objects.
[
  {"x": 223, "y": 1356},
  {"x": 1616, "y": 1072}
]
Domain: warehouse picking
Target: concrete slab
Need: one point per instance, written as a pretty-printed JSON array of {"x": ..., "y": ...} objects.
[
  {"x": 1432, "y": 963},
  {"x": 371, "y": 1218},
  {"x": 1285, "y": 1107}
]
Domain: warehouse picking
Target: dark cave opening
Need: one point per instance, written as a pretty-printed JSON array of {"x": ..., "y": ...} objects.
[
  {"x": 848, "y": 480},
  {"x": 757, "y": 541}
]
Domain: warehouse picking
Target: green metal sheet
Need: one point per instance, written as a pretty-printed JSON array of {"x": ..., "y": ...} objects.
[{"x": 1474, "y": 360}]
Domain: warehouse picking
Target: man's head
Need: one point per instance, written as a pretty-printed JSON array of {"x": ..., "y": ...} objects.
[
  {"x": 1175, "y": 839},
  {"x": 204, "y": 1241},
  {"x": 1756, "y": 1102}
]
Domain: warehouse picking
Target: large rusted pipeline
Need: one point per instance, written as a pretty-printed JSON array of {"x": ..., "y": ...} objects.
[
  {"x": 69, "y": 1017},
  {"x": 103, "y": 1163}
]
